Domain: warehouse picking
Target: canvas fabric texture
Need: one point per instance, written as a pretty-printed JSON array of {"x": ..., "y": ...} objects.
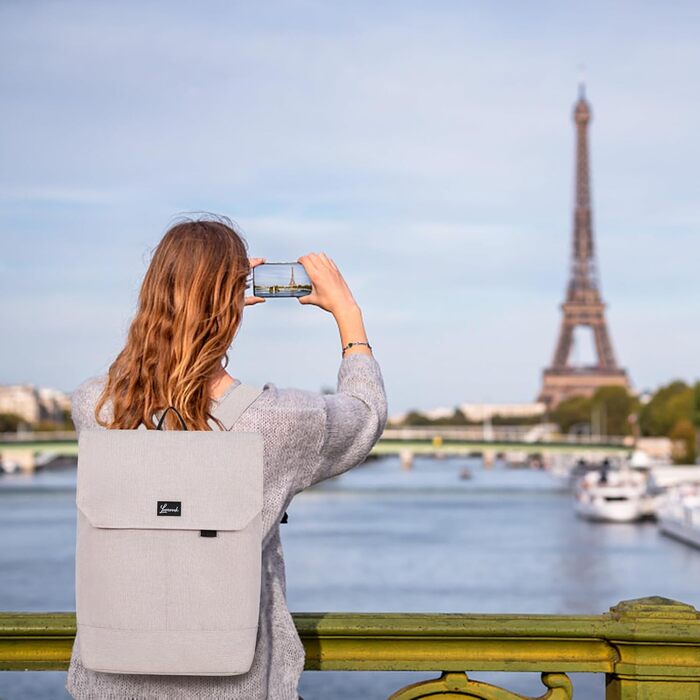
[{"x": 307, "y": 437}]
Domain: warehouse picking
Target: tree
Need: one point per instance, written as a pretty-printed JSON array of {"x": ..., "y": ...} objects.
[
  {"x": 458, "y": 417},
  {"x": 49, "y": 426},
  {"x": 571, "y": 412},
  {"x": 683, "y": 436},
  {"x": 498, "y": 419},
  {"x": 9, "y": 422},
  {"x": 667, "y": 406},
  {"x": 416, "y": 418},
  {"x": 616, "y": 404},
  {"x": 674, "y": 412},
  {"x": 67, "y": 419}
]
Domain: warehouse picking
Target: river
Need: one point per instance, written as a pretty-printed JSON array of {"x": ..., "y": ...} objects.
[{"x": 382, "y": 539}]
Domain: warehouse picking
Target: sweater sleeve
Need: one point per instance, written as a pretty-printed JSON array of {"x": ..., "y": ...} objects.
[
  {"x": 353, "y": 419},
  {"x": 83, "y": 401}
]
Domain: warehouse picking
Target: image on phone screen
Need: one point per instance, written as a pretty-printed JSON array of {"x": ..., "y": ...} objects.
[{"x": 281, "y": 280}]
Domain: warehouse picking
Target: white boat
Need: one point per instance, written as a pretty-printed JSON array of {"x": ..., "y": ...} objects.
[
  {"x": 679, "y": 514},
  {"x": 671, "y": 475},
  {"x": 614, "y": 495},
  {"x": 8, "y": 466}
]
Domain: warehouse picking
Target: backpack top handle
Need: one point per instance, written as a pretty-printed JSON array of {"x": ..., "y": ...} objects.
[{"x": 162, "y": 418}]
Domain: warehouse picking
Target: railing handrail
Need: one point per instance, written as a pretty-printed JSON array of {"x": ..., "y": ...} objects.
[
  {"x": 327, "y": 637},
  {"x": 648, "y": 647}
]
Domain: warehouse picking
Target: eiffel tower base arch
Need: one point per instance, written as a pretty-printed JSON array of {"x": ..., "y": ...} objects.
[{"x": 561, "y": 384}]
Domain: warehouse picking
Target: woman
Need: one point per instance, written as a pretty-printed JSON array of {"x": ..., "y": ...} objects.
[{"x": 190, "y": 309}]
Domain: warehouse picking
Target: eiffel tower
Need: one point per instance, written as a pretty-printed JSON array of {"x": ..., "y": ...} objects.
[{"x": 583, "y": 305}]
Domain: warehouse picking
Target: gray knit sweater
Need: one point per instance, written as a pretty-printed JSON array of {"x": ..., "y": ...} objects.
[{"x": 308, "y": 437}]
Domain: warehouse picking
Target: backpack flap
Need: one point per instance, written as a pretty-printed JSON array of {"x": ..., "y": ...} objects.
[{"x": 170, "y": 480}]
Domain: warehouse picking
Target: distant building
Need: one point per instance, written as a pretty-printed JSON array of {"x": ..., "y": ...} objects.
[
  {"x": 54, "y": 403},
  {"x": 486, "y": 411},
  {"x": 479, "y": 412},
  {"x": 436, "y": 413},
  {"x": 34, "y": 404}
]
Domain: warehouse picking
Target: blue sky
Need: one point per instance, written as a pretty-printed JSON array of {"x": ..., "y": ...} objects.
[{"x": 426, "y": 147}]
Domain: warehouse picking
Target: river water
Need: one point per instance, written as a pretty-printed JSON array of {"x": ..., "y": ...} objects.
[{"x": 382, "y": 539}]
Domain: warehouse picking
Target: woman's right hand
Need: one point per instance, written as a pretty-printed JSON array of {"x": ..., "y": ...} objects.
[{"x": 329, "y": 290}]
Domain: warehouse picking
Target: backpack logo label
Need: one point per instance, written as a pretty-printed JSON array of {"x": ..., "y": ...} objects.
[{"x": 169, "y": 508}]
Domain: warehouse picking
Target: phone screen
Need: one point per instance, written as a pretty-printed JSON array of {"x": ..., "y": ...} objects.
[{"x": 283, "y": 279}]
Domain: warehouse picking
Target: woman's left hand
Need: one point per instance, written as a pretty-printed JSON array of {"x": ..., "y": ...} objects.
[{"x": 249, "y": 301}]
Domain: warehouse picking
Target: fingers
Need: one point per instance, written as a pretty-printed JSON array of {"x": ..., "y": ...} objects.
[
  {"x": 329, "y": 262},
  {"x": 326, "y": 281},
  {"x": 311, "y": 302},
  {"x": 252, "y": 300},
  {"x": 308, "y": 299},
  {"x": 317, "y": 260}
]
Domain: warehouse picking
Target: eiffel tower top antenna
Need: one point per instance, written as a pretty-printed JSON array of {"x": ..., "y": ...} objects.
[
  {"x": 583, "y": 280},
  {"x": 582, "y": 82}
]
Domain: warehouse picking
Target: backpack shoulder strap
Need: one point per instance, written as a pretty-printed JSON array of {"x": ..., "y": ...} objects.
[
  {"x": 231, "y": 409},
  {"x": 233, "y": 406}
]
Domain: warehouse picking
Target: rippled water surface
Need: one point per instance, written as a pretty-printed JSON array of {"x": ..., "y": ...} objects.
[{"x": 382, "y": 539}]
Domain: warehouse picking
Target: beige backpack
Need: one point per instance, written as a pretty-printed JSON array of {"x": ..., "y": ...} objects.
[{"x": 168, "y": 546}]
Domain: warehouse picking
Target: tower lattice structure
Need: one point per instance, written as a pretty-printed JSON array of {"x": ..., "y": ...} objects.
[{"x": 583, "y": 305}]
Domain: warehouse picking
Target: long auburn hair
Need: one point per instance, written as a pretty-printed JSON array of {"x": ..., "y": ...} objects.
[{"x": 189, "y": 309}]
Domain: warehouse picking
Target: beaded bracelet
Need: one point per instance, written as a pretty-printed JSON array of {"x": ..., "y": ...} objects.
[{"x": 349, "y": 345}]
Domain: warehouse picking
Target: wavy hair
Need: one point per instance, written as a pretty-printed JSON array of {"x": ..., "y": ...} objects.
[{"x": 189, "y": 309}]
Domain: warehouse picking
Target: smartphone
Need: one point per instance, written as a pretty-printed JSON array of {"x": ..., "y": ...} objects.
[{"x": 280, "y": 279}]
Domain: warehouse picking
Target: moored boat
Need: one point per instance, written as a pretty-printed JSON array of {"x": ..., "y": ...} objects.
[
  {"x": 679, "y": 514},
  {"x": 614, "y": 495},
  {"x": 8, "y": 466}
]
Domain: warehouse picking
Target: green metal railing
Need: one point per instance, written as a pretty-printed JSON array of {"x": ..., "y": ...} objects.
[{"x": 648, "y": 648}]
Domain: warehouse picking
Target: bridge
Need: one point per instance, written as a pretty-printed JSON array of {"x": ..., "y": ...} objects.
[
  {"x": 488, "y": 442},
  {"x": 33, "y": 450}
]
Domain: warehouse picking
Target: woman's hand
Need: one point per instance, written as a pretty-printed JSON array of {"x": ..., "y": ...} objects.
[
  {"x": 331, "y": 293},
  {"x": 254, "y": 262},
  {"x": 329, "y": 290}
]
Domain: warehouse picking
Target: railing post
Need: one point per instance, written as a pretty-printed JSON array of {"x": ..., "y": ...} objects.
[{"x": 649, "y": 668}]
